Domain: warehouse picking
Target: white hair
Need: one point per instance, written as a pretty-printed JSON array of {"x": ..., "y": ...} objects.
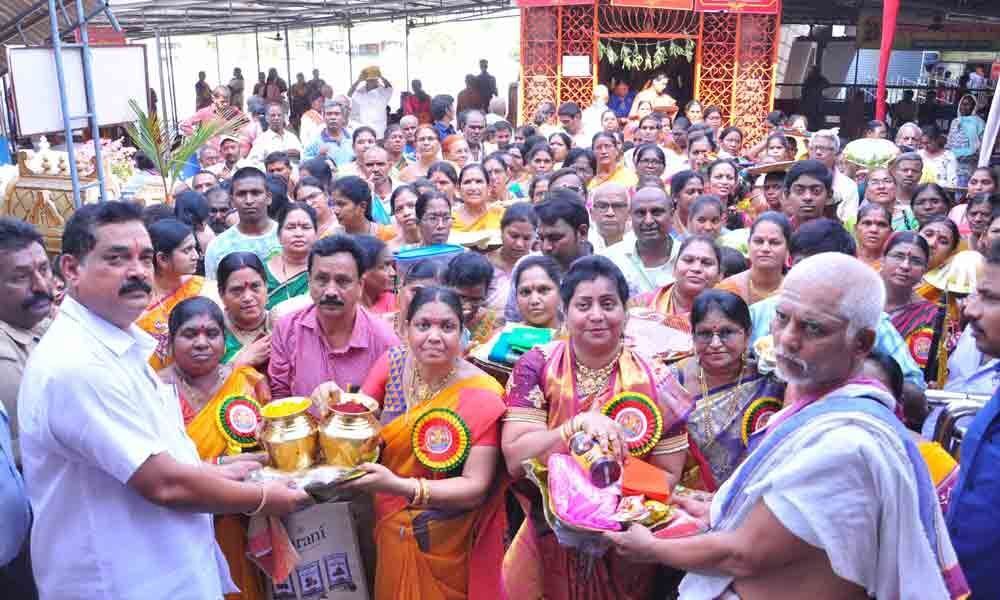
[
  {"x": 862, "y": 291},
  {"x": 831, "y": 134},
  {"x": 908, "y": 125}
]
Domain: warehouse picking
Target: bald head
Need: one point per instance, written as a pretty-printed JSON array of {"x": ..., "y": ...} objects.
[
  {"x": 609, "y": 211},
  {"x": 651, "y": 194},
  {"x": 856, "y": 294},
  {"x": 824, "y": 324},
  {"x": 409, "y": 121},
  {"x": 611, "y": 190}
]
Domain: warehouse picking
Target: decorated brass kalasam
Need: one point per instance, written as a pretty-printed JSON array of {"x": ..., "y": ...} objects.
[
  {"x": 289, "y": 434},
  {"x": 349, "y": 435}
]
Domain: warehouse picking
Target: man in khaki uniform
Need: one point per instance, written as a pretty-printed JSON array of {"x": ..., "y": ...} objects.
[{"x": 25, "y": 305}]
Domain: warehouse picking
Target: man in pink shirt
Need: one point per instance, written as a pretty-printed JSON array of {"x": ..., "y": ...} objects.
[
  {"x": 335, "y": 338},
  {"x": 221, "y": 109}
]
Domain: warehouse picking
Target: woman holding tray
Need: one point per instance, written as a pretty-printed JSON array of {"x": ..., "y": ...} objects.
[
  {"x": 573, "y": 385},
  {"x": 221, "y": 409},
  {"x": 439, "y": 514}
]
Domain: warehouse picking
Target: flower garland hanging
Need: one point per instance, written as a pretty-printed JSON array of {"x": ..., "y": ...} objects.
[{"x": 644, "y": 56}]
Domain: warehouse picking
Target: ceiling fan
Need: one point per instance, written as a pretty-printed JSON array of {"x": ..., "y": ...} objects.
[{"x": 277, "y": 37}]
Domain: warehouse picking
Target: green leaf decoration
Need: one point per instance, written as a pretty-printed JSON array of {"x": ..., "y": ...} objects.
[{"x": 155, "y": 139}]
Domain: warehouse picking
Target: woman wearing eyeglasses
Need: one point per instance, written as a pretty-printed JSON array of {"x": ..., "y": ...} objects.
[
  {"x": 434, "y": 216},
  {"x": 904, "y": 263},
  {"x": 428, "y": 149},
  {"x": 609, "y": 165},
  {"x": 730, "y": 399}
]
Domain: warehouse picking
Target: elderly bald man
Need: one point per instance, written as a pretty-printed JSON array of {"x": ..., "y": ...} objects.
[
  {"x": 647, "y": 259},
  {"x": 608, "y": 216},
  {"x": 834, "y": 502}
]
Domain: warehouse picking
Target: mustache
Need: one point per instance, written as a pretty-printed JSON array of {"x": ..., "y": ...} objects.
[
  {"x": 801, "y": 364},
  {"x": 37, "y": 298},
  {"x": 331, "y": 301},
  {"x": 135, "y": 285}
]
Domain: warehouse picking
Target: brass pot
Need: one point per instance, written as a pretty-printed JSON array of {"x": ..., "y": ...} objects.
[
  {"x": 350, "y": 438},
  {"x": 289, "y": 434}
]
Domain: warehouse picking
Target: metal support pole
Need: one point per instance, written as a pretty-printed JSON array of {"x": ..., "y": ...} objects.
[
  {"x": 288, "y": 65},
  {"x": 312, "y": 38},
  {"x": 88, "y": 84},
  {"x": 218, "y": 61},
  {"x": 173, "y": 83},
  {"x": 163, "y": 87},
  {"x": 350, "y": 55},
  {"x": 256, "y": 44},
  {"x": 406, "y": 46},
  {"x": 74, "y": 176}
]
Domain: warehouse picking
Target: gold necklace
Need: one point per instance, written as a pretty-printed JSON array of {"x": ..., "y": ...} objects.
[
  {"x": 590, "y": 382},
  {"x": 708, "y": 427},
  {"x": 196, "y": 398},
  {"x": 753, "y": 291},
  {"x": 421, "y": 391}
]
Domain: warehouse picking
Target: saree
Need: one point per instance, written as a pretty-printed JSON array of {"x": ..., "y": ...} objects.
[
  {"x": 236, "y": 338},
  {"x": 543, "y": 389},
  {"x": 278, "y": 292},
  {"x": 154, "y": 320},
  {"x": 915, "y": 324},
  {"x": 662, "y": 301},
  {"x": 433, "y": 553},
  {"x": 212, "y": 433},
  {"x": 487, "y": 221},
  {"x": 743, "y": 289},
  {"x": 720, "y": 423}
]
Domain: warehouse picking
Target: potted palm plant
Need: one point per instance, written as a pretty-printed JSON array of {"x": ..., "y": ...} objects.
[{"x": 157, "y": 141}]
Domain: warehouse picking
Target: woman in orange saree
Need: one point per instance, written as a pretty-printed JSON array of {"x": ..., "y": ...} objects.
[
  {"x": 697, "y": 268},
  {"x": 173, "y": 281},
  {"x": 438, "y": 507},
  {"x": 221, "y": 409},
  {"x": 560, "y": 388}
]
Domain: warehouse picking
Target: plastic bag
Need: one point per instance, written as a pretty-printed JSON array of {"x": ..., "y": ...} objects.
[{"x": 578, "y": 502}]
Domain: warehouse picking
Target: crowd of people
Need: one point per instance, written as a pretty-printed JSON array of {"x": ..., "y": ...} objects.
[{"x": 783, "y": 309}]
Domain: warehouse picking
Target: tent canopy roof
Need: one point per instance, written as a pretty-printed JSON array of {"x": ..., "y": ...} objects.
[{"x": 26, "y": 21}]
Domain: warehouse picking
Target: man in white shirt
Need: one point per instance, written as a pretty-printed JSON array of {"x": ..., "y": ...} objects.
[
  {"x": 824, "y": 146},
  {"x": 277, "y": 138},
  {"x": 255, "y": 231},
  {"x": 647, "y": 260},
  {"x": 608, "y": 216},
  {"x": 119, "y": 493},
  {"x": 969, "y": 370},
  {"x": 371, "y": 101},
  {"x": 571, "y": 118},
  {"x": 592, "y": 114}
]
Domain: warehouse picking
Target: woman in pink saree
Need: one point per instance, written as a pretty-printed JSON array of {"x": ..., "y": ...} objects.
[{"x": 558, "y": 389}]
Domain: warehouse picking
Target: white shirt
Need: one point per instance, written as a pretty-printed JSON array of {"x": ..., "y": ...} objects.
[
  {"x": 640, "y": 278},
  {"x": 269, "y": 142},
  {"x": 233, "y": 240},
  {"x": 845, "y": 195},
  {"x": 369, "y": 107},
  {"x": 597, "y": 240},
  {"x": 92, "y": 411},
  {"x": 968, "y": 372}
]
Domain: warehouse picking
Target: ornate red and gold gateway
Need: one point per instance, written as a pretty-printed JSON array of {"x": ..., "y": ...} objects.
[{"x": 735, "y": 43}]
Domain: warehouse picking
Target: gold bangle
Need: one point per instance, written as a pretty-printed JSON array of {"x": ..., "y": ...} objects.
[
  {"x": 260, "y": 507},
  {"x": 416, "y": 492},
  {"x": 426, "y": 487}
]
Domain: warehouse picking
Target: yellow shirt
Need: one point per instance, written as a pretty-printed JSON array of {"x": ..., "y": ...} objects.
[{"x": 622, "y": 175}]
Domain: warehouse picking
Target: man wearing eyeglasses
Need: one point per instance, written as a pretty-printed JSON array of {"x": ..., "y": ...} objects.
[
  {"x": 824, "y": 146},
  {"x": 609, "y": 217}
]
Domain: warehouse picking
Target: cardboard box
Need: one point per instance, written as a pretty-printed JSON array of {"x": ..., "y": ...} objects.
[{"x": 331, "y": 568}]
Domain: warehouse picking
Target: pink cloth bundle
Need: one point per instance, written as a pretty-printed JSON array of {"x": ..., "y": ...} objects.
[{"x": 576, "y": 501}]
